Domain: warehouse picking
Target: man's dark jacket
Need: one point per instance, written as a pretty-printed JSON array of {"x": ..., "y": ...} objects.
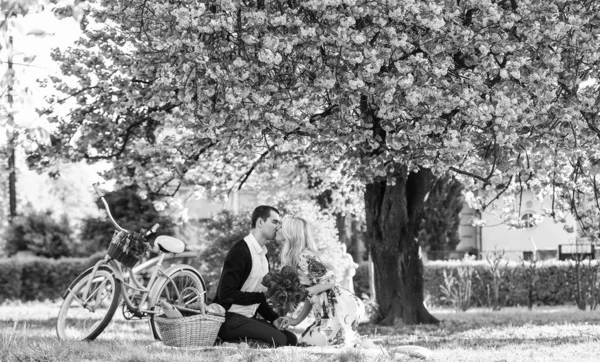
[{"x": 236, "y": 269}]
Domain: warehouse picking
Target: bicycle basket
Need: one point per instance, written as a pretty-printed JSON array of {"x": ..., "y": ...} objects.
[
  {"x": 198, "y": 329},
  {"x": 119, "y": 249}
]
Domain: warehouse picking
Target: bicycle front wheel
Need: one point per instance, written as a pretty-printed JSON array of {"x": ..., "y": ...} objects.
[
  {"x": 82, "y": 318},
  {"x": 177, "y": 291}
]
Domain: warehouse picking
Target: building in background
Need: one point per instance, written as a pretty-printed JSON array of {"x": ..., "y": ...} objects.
[{"x": 541, "y": 241}]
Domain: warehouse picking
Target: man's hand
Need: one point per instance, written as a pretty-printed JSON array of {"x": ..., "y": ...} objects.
[{"x": 281, "y": 323}]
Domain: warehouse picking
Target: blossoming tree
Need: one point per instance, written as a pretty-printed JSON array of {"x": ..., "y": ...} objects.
[
  {"x": 18, "y": 55},
  {"x": 380, "y": 97}
]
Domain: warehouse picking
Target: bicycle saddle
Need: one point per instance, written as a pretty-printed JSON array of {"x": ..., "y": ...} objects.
[{"x": 169, "y": 244}]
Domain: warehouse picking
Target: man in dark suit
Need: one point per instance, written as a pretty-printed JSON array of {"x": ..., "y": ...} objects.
[{"x": 240, "y": 290}]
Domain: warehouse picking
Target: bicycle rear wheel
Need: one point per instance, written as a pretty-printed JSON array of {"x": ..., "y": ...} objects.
[
  {"x": 174, "y": 292},
  {"x": 80, "y": 319}
]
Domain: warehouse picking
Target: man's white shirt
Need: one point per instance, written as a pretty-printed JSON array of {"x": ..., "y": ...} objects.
[{"x": 260, "y": 267}]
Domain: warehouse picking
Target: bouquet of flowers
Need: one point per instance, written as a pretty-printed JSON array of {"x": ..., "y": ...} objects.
[
  {"x": 284, "y": 290},
  {"x": 132, "y": 243}
]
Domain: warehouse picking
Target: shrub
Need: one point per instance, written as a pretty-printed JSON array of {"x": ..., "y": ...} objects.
[
  {"x": 555, "y": 283},
  {"x": 95, "y": 235},
  {"x": 48, "y": 279},
  {"x": 43, "y": 278},
  {"x": 222, "y": 231},
  {"x": 130, "y": 211},
  {"x": 15, "y": 237},
  {"x": 10, "y": 279},
  {"x": 37, "y": 278},
  {"x": 497, "y": 267},
  {"x": 530, "y": 275},
  {"x": 41, "y": 234},
  {"x": 586, "y": 288},
  {"x": 457, "y": 290},
  {"x": 441, "y": 217},
  {"x": 361, "y": 279}
]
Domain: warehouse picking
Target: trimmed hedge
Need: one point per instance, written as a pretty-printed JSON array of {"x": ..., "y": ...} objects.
[
  {"x": 554, "y": 284},
  {"x": 39, "y": 278},
  {"x": 10, "y": 279}
]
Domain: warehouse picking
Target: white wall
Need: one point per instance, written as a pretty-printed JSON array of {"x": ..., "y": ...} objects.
[
  {"x": 468, "y": 234},
  {"x": 545, "y": 236}
]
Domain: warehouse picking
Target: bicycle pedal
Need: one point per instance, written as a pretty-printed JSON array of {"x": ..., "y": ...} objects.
[{"x": 130, "y": 314}]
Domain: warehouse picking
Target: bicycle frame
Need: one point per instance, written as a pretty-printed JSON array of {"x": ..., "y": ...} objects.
[
  {"x": 131, "y": 275},
  {"x": 116, "y": 267},
  {"x": 141, "y": 288}
]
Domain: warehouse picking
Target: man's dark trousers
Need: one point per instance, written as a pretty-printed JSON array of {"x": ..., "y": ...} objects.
[{"x": 238, "y": 328}]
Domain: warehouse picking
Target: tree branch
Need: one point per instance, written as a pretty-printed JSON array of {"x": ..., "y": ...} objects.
[
  {"x": 499, "y": 194},
  {"x": 470, "y": 174},
  {"x": 247, "y": 174}
]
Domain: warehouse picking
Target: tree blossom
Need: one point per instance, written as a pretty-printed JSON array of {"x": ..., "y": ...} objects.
[{"x": 398, "y": 92}]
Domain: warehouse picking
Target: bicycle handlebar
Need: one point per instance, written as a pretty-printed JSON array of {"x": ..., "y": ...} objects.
[
  {"x": 95, "y": 185},
  {"x": 153, "y": 229},
  {"x": 97, "y": 189}
]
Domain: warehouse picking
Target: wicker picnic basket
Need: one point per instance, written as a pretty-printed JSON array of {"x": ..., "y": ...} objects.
[
  {"x": 198, "y": 329},
  {"x": 117, "y": 249}
]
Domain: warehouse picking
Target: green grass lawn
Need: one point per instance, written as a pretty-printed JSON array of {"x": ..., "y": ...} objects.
[{"x": 512, "y": 334}]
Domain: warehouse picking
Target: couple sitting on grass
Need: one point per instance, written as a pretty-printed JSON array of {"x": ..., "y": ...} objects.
[{"x": 337, "y": 311}]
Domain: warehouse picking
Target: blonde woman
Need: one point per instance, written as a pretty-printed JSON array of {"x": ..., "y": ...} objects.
[{"x": 337, "y": 311}]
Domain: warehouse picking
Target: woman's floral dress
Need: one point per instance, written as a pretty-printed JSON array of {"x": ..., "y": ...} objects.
[{"x": 337, "y": 311}]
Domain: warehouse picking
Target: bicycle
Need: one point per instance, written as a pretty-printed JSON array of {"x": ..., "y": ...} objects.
[{"x": 91, "y": 300}]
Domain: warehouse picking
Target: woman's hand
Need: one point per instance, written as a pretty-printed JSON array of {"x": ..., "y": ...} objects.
[
  {"x": 281, "y": 323},
  {"x": 293, "y": 321},
  {"x": 301, "y": 316}
]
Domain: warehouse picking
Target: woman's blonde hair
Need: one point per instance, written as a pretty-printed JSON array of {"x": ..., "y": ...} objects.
[{"x": 296, "y": 232}]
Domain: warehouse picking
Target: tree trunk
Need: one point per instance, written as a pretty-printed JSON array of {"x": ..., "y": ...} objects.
[
  {"x": 393, "y": 215},
  {"x": 340, "y": 224},
  {"x": 356, "y": 241},
  {"x": 12, "y": 180},
  {"x": 12, "y": 168}
]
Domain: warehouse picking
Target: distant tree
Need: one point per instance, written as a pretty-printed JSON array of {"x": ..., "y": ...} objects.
[
  {"x": 41, "y": 234},
  {"x": 441, "y": 219},
  {"x": 16, "y": 90},
  {"x": 130, "y": 211},
  {"x": 222, "y": 230}
]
